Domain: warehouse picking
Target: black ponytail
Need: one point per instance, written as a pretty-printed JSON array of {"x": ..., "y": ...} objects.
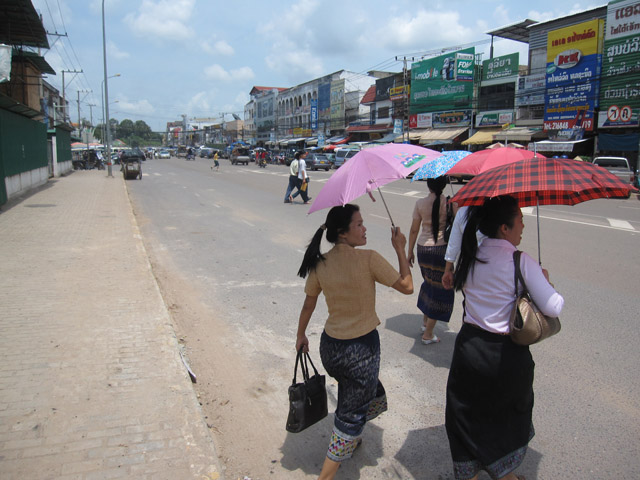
[
  {"x": 337, "y": 222},
  {"x": 436, "y": 185},
  {"x": 488, "y": 218}
]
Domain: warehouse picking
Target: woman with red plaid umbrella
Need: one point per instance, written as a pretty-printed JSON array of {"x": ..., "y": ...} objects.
[{"x": 490, "y": 386}]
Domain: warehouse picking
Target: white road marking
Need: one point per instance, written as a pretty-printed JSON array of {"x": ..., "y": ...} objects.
[
  {"x": 527, "y": 210},
  {"x": 249, "y": 223},
  {"x": 157, "y": 174},
  {"x": 217, "y": 206},
  {"x": 611, "y": 227},
  {"x": 413, "y": 192},
  {"x": 378, "y": 216},
  {"x": 620, "y": 224}
]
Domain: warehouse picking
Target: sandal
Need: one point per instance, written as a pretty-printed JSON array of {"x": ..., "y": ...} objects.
[{"x": 431, "y": 340}]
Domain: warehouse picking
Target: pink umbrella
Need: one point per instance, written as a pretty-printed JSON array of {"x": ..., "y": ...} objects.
[
  {"x": 484, "y": 160},
  {"x": 370, "y": 169}
]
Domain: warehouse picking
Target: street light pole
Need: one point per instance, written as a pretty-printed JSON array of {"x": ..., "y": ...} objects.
[
  {"x": 106, "y": 94},
  {"x": 102, "y": 98}
]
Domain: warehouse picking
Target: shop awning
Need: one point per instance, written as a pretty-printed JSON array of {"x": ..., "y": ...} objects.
[
  {"x": 377, "y": 128},
  {"x": 389, "y": 137},
  {"x": 441, "y": 135},
  {"x": 619, "y": 143},
  {"x": 517, "y": 134},
  {"x": 482, "y": 137},
  {"x": 293, "y": 141},
  {"x": 312, "y": 142},
  {"x": 551, "y": 146}
]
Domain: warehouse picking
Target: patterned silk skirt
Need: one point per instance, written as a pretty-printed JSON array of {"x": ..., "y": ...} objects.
[
  {"x": 489, "y": 403},
  {"x": 355, "y": 365},
  {"x": 434, "y": 300}
]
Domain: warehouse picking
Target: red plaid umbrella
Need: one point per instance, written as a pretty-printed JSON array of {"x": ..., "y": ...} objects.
[{"x": 543, "y": 181}]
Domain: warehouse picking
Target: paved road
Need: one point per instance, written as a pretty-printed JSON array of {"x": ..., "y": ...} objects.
[{"x": 230, "y": 237}]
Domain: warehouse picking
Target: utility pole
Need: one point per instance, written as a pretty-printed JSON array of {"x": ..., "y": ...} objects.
[
  {"x": 64, "y": 97},
  {"x": 405, "y": 115},
  {"x": 79, "y": 119}
]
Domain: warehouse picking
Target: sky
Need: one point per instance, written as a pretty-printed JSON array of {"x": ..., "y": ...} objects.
[{"x": 201, "y": 58}]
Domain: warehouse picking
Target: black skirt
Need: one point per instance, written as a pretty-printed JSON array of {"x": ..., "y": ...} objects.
[{"x": 489, "y": 403}]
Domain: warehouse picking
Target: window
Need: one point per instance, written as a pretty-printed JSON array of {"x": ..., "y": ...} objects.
[{"x": 383, "y": 112}]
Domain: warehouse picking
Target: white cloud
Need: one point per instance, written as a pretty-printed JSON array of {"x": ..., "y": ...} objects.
[
  {"x": 141, "y": 107},
  {"x": 217, "y": 72},
  {"x": 199, "y": 103},
  {"x": 163, "y": 19},
  {"x": 219, "y": 47},
  {"x": 421, "y": 29},
  {"x": 115, "y": 52}
]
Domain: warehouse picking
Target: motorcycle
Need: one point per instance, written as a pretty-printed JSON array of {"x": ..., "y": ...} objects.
[{"x": 263, "y": 163}]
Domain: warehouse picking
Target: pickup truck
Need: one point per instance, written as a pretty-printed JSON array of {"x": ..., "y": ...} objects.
[
  {"x": 240, "y": 155},
  {"x": 619, "y": 166}
]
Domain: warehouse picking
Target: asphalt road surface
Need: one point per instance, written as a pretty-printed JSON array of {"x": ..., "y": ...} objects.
[{"x": 225, "y": 249}]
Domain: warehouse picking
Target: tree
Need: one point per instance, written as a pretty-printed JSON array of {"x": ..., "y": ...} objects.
[
  {"x": 142, "y": 130},
  {"x": 125, "y": 129}
]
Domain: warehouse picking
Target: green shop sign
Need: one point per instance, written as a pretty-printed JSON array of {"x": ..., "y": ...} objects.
[
  {"x": 620, "y": 83},
  {"x": 443, "y": 83},
  {"x": 500, "y": 67}
]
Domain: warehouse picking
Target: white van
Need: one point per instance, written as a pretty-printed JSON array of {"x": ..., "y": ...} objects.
[{"x": 344, "y": 154}]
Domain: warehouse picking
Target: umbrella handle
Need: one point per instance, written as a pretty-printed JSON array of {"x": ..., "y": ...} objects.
[{"x": 387, "y": 208}]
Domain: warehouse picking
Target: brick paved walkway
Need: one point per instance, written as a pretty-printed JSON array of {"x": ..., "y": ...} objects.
[{"x": 91, "y": 382}]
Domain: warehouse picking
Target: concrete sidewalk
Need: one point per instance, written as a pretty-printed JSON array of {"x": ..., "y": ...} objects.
[{"x": 91, "y": 381}]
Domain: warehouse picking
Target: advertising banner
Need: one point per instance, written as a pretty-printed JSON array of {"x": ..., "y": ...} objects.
[
  {"x": 337, "y": 104},
  {"x": 383, "y": 85},
  {"x": 620, "y": 84},
  {"x": 455, "y": 118},
  {"x": 500, "y": 67},
  {"x": 314, "y": 114},
  {"x": 572, "y": 76},
  {"x": 324, "y": 100},
  {"x": 421, "y": 120},
  {"x": 494, "y": 119},
  {"x": 443, "y": 82},
  {"x": 398, "y": 93},
  {"x": 530, "y": 89}
]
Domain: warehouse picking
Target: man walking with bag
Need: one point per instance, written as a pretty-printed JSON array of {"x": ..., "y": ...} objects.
[{"x": 293, "y": 179}]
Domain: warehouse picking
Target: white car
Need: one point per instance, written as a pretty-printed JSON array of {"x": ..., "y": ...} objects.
[{"x": 164, "y": 154}]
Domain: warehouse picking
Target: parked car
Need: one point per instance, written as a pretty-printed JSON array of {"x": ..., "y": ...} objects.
[
  {"x": 342, "y": 155},
  {"x": 315, "y": 161},
  {"x": 164, "y": 154}
]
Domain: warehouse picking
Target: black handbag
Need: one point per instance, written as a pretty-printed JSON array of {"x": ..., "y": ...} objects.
[
  {"x": 308, "y": 399},
  {"x": 528, "y": 325}
]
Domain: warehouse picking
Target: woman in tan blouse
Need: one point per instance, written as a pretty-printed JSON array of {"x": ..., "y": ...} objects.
[{"x": 350, "y": 345}]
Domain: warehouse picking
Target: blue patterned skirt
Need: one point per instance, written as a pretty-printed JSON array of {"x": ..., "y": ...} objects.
[
  {"x": 489, "y": 403},
  {"x": 355, "y": 364},
  {"x": 434, "y": 300}
]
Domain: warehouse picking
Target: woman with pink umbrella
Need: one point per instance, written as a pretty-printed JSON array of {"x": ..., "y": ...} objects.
[{"x": 349, "y": 345}]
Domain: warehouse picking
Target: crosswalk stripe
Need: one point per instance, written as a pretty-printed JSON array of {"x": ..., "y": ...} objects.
[{"x": 620, "y": 224}]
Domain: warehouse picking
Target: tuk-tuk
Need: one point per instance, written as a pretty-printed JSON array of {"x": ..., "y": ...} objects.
[{"x": 132, "y": 164}]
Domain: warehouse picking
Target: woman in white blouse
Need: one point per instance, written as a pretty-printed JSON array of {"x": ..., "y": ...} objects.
[{"x": 490, "y": 387}]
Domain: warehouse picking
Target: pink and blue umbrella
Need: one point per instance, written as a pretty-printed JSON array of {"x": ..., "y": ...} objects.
[{"x": 441, "y": 165}]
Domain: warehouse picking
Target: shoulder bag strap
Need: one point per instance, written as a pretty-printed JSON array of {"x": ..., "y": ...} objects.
[
  {"x": 307, "y": 357},
  {"x": 517, "y": 274},
  {"x": 295, "y": 369}
]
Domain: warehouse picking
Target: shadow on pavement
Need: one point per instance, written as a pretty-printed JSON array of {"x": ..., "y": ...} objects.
[
  {"x": 307, "y": 450},
  {"x": 425, "y": 454},
  {"x": 439, "y": 354}
]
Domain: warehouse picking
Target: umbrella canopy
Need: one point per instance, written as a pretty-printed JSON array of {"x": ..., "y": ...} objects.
[
  {"x": 370, "y": 169},
  {"x": 484, "y": 160},
  {"x": 544, "y": 181},
  {"x": 441, "y": 165}
]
